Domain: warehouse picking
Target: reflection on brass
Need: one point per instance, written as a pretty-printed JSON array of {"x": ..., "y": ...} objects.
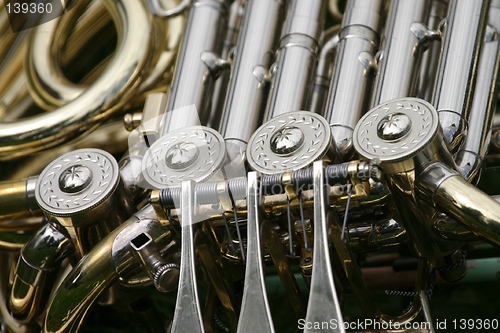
[{"x": 247, "y": 156}]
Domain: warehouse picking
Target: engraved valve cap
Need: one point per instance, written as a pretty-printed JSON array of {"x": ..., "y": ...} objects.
[
  {"x": 290, "y": 141},
  {"x": 192, "y": 153},
  {"x": 77, "y": 181},
  {"x": 396, "y": 130}
]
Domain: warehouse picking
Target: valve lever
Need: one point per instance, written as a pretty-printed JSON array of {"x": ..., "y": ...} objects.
[
  {"x": 323, "y": 303},
  {"x": 187, "y": 316},
  {"x": 255, "y": 313}
]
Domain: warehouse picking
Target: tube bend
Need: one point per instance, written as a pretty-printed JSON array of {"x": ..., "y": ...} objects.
[
  {"x": 99, "y": 270},
  {"x": 36, "y": 271},
  {"x": 95, "y": 104},
  {"x": 448, "y": 191}
]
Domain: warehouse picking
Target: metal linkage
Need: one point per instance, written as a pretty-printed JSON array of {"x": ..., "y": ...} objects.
[{"x": 273, "y": 184}]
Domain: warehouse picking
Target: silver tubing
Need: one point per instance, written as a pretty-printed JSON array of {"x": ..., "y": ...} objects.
[
  {"x": 430, "y": 58},
  {"x": 323, "y": 303},
  {"x": 191, "y": 84},
  {"x": 279, "y": 143},
  {"x": 352, "y": 79},
  {"x": 452, "y": 98},
  {"x": 470, "y": 158},
  {"x": 248, "y": 86},
  {"x": 329, "y": 41},
  {"x": 222, "y": 83},
  {"x": 187, "y": 315},
  {"x": 156, "y": 8},
  {"x": 297, "y": 57},
  {"x": 401, "y": 51},
  {"x": 255, "y": 313}
]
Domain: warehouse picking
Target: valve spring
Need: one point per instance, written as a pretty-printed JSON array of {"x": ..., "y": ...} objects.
[
  {"x": 428, "y": 292},
  {"x": 206, "y": 193}
]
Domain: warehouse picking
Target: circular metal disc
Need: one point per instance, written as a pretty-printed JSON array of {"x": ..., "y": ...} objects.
[
  {"x": 396, "y": 130},
  {"x": 191, "y": 153},
  {"x": 77, "y": 181},
  {"x": 303, "y": 137}
]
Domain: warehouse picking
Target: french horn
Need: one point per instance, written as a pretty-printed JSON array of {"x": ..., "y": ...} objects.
[{"x": 249, "y": 166}]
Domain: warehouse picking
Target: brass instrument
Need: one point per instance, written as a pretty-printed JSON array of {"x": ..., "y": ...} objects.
[{"x": 250, "y": 166}]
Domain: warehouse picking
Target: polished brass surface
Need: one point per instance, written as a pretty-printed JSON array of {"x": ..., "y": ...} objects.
[
  {"x": 154, "y": 148},
  {"x": 13, "y": 199}
]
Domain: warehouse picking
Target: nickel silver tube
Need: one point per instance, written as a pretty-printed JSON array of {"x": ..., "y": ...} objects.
[
  {"x": 458, "y": 67},
  {"x": 297, "y": 57},
  {"x": 470, "y": 158},
  {"x": 291, "y": 138},
  {"x": 353, "y": 74},
  {"x": 401, "y": 51},
  {"x": 329, "y": 42},
  {"x": 248, "y": 86},
  {"x": 221, "y": 85},
  {"x": 191, "y": 85},
  {"x": 430, "y": 58}
]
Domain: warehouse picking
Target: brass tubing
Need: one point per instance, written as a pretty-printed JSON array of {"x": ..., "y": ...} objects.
[
  {"x": 48, "y": 87},
  {"x": 11, "y": 324},
  {"x": 36, "y": 272},
  {"x": 93, "y": 106},
  {"x": 16, "y": 200},
  {"x": 13, "y": 241},
  {"x": 445, "y": 189},
  {"x": 99, "y": 270}
]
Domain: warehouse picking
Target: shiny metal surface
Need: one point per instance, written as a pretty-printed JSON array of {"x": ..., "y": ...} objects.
[
  {"x": 106, "y": 235},
  {"x": 461, "y": 201},
  {"x": 36, "y": 272},
  {"x": 471, "y": 155},
  {"x": 292, "y": 77},
  {"x": 323, "y": 302},
  {"x": 82, "y": 192},
  {"x": 17, "y": 199},
  {"x": 354, "y": 71},
  {"x": 319, "y": 92},
  {"x": 82, "y": 114},
  {"x": 402, "y": 50},
  {"x": 190, "y": 153},
  {"x": 457, "y": 74},
  {"x": 306, "y": 134},
  {"x": 255, "y": 313},
  {"x": 187, "y": 315},
  {"x": 292, "y": 73},
  {"x": 402, "y": 160},
  {"x": 192, "y": 80},
  {"x": 430, "y": 58},
  {"x": 249, "y": 81},
  {"x": 104, "y": 265}
]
